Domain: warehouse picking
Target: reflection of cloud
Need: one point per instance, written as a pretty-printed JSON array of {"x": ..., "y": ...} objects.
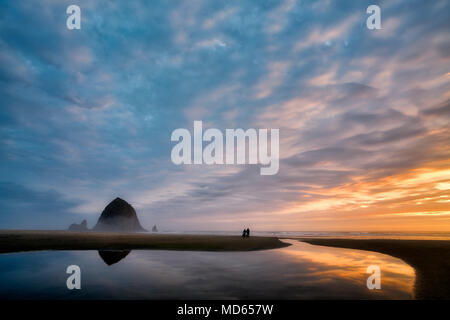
[
  {"x": 352, "y": 265},
  {"x": 159, "y": 274}
]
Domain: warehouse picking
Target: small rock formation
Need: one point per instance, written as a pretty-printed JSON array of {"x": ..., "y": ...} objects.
[
  {"x": 79, "y": 227},
  {"x": 118, "y": 216},
  {"x": 154, "y": 229}
]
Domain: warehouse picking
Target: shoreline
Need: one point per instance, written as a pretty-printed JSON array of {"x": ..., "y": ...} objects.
[
  {"x": 36, "y": 240},
  {"x": 429, "y": 258}
]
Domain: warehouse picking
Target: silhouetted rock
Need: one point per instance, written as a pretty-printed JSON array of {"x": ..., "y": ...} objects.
[
  {"x": 118, "y": 216},
  {"x": 113, "y": 256},
  {"x": 154, "y": 229},
  {"x": 79, "y": 227}
]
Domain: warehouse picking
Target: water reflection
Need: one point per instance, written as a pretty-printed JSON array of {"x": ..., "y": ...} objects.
[
  {"x": 301, "y": 271},
  {"x": 351, "y": 265},
  {"x": 113, "y": 256}
]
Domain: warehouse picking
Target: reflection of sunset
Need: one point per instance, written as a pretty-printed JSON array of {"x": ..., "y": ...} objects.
[
  {"x": 300, "y": 271},
  {"x": 334, "y": 263}
]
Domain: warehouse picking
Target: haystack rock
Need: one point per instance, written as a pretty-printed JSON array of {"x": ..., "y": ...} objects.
[
  {"x": 154, "y": 229},
  {"x": 118, "y": 216},
  {"x": 79, "y": 227}
]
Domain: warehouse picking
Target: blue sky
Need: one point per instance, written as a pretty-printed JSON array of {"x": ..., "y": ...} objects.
[{"x": 86, "y": 115}]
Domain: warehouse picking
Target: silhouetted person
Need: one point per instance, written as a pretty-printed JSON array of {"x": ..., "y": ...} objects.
[
  {"x": 248, "y": 232},
  {"x": 244, "y": 233}
]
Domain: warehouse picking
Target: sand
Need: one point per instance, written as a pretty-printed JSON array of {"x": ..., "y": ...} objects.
[
  {"x": 21, "y": 240},
  {"x": 429, "y": 258}
]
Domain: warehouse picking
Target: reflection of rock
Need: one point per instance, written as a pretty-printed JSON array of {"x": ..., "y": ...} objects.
[
  {"x": 79, "y": 227},
  {"x": 113, "y": 256},
  {"x": 154, "y": 229},
  {"x": 119, "y": 215}
]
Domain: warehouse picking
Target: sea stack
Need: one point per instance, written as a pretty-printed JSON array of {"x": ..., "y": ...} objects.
[
  {"x": 118, "y": 216},
  {"x": 79, "y": 227},
  {"x": 154, "y": 229}
]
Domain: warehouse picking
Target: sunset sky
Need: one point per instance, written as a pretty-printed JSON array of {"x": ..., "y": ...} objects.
[{"x": 364, "y": 115}]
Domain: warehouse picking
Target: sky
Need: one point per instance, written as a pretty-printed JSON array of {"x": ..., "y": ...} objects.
[{"x": 364, "y": 115}]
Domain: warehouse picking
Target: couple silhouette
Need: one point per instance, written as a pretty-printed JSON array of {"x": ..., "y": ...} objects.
[{"x": 246, "y": 233}]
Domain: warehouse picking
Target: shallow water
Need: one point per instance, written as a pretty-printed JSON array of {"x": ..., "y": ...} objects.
[{"x": 300, "y": 271}]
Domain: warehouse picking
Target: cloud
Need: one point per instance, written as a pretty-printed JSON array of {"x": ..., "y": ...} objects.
[
  {"x": 26, "y": 208},
  {"x": 87, "y": 114}
]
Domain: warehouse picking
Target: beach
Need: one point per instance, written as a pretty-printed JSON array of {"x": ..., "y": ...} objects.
[
  {"x": 429, "y": 258},
  {"x": 34, "y": 240},
  {"x": 300, "y": 271}
]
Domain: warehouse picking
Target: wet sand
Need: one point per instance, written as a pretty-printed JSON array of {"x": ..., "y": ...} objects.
[
  {"x": 28, "y": 240},
  {"x": 429, "y": 258}
]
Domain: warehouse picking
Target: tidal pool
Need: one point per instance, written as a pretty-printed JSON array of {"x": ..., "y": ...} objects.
[{"x": 300, "y": 271}]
